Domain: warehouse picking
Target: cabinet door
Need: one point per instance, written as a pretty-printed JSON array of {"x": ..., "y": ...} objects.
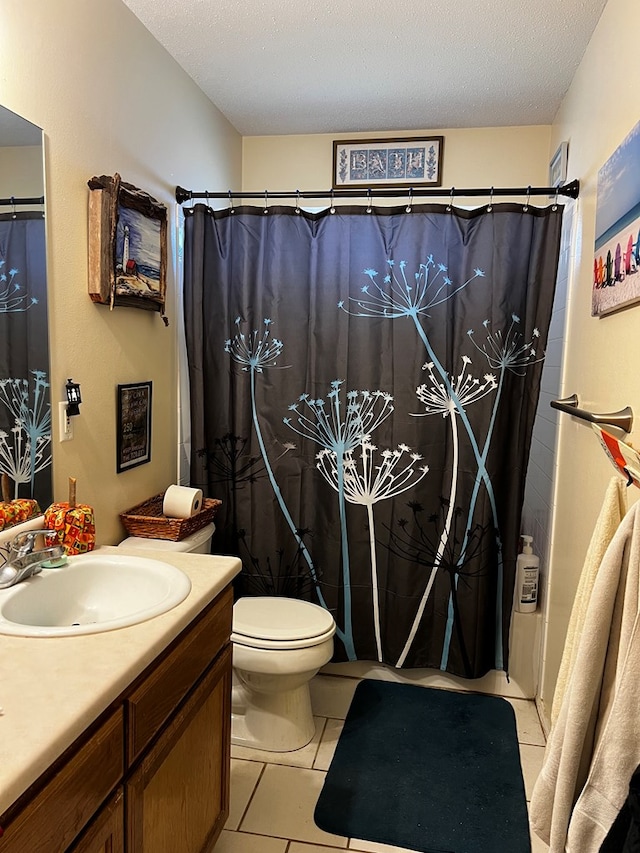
[
  {"x": 106, "y": 833},
  {"x": 178, "y": 798}
]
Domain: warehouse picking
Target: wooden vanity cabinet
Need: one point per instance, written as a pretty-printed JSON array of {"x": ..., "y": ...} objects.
[
  {"x": 87, "y": 774},
  {"x": 162, "y": 687},
  {"x": 177, "y": 790},
  {"x": 151, "y": 776},
  {"x": 178, "y": 797}
]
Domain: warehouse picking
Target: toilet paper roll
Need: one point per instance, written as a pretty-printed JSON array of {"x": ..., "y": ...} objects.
[{"x": 181, "y": 502}]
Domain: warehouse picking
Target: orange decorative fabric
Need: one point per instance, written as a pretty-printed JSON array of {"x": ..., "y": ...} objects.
[
  {"x": 74, "y": 526},
  {"x": 14, "y": 512}
]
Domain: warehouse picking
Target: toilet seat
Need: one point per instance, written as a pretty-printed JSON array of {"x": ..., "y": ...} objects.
[{"x": 272, "y": 622}]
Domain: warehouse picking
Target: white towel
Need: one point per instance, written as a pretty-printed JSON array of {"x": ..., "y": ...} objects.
[
  {"x": 601, "y": 702},
  {"x": 613, "y": 510}
]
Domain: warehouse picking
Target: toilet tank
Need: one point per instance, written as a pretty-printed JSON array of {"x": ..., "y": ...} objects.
[{"x": 197, "y": 543}]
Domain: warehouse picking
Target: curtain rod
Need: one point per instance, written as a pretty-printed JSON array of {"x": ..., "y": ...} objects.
[
  {"x": 10, "y": 202},
  {"x": 571, "y": 189}
]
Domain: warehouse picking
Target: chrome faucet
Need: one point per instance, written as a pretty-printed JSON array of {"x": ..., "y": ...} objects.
[{"x": 24, "y": 560}]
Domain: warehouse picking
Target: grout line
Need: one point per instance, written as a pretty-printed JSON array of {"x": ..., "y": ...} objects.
[
  {"x": 529, "y": 742},
  {"x": 324, "y": 728},
  {"x": 344, "y": 675},
  {"x": 250, "y": 800},
  {"x": 543, "y": 724},
  {"x": 280, "y": 762},
  {"x": 289, "y": 841}
]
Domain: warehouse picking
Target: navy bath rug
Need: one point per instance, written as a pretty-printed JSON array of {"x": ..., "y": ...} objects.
[{"x": 430, "y": 770}]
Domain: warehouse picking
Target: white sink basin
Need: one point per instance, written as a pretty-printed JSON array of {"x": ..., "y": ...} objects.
[{"x": 90, "y": 594}]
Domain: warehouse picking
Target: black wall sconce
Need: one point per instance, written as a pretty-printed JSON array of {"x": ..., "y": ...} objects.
[{"x": 73, "y": 398}]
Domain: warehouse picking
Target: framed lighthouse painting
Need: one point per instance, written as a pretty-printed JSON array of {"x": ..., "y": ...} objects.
[{"x": 127, "y": 246}]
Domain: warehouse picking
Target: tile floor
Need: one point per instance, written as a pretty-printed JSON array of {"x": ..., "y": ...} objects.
[{"x": 273, "y": 795}]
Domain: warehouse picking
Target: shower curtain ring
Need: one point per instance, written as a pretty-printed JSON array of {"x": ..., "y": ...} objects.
[
  {"x": 298, "y": 201},
  {"x": 490, "y": 205},
  {"x": 231, "y": 210},
  {"x": 266, "y": 202},
  {"x": 332, "y": 209},
  {"x": 450, "y": 205},
  {"x": 555, "y": 201},
  {"x": 369, "y": 197},
  {"x": 13, "y": 203},
  {"x": 526, "y": 204},
  {"x": 206, "y": 196},
  {"x": 410, "y": 202}
]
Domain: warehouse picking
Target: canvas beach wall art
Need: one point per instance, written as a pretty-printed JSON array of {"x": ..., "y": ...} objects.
[{"x": 616, "y": 261}]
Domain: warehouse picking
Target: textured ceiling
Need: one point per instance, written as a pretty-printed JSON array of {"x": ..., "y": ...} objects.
[{"x": 305, "y": 66}]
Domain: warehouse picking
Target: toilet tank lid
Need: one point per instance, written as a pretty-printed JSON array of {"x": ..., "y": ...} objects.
[
  {"x": 189, "y": 543},
  {"x": 277, "y": 618}
]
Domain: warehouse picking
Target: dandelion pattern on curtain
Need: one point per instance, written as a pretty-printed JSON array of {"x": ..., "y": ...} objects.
[
  {"x": 363, "y": 389},
  {"x": 25, "y": 409}
]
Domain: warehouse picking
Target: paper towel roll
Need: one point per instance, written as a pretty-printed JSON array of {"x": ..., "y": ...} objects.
[{"x": 181, "y": 502}]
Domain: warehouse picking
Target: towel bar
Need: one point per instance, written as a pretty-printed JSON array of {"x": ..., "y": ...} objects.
[{"x": 622, "y": 420}]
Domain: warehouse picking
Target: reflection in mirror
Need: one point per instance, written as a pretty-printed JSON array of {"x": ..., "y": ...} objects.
[{"x": 25, "y": 408}]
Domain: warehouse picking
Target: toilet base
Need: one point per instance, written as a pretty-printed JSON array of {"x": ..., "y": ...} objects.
[{"x": 274, "y": 722}]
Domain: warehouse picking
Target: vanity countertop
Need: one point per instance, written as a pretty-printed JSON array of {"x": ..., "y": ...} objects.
[{"x": 53, "y": 688}]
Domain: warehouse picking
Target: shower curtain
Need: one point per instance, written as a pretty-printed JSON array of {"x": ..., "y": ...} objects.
[
  {"x": 363, "y": 388},
  {"x": 25, "y": 410}
]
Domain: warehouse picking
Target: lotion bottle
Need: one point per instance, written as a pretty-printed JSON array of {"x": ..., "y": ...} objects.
[{"x": 527, "y": 575}]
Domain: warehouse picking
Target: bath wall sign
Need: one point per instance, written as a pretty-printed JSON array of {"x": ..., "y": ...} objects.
[
  {"x": 127, "y": 246},
  {"x": 414, "y": 161}
]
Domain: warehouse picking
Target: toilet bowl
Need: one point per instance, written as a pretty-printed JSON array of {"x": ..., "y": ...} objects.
[{"x": 279, "y": 644}]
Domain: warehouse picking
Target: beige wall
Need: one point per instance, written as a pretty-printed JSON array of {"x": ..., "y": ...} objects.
[
  {"x": 475, "y": 157},
  {"x": 109, "y": 98},
  {"x": 601, "y": 355},
  {"x": 21, "y": 172}
]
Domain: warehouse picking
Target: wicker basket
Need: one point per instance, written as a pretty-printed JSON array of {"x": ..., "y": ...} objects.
[{"x": 147, "y": 520}]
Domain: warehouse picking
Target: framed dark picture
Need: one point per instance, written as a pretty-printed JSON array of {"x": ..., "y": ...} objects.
[
  {"x": 414, "y": 161},
  {"x": 133, "y": 425}
]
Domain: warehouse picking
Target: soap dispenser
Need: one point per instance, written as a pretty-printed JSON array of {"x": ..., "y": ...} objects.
[{"x": 527, "y": 576}]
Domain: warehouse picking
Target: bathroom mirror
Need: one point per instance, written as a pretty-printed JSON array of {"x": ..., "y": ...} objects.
[{"x": 25, "y": 408}]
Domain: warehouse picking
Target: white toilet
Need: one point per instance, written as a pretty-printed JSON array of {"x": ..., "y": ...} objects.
[
  {"x": 279, "y": 644},
  {"x": 198, "y": 543}
]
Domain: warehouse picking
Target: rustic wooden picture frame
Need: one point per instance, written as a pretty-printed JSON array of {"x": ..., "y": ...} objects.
[{"x": 127, "y": 246}]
